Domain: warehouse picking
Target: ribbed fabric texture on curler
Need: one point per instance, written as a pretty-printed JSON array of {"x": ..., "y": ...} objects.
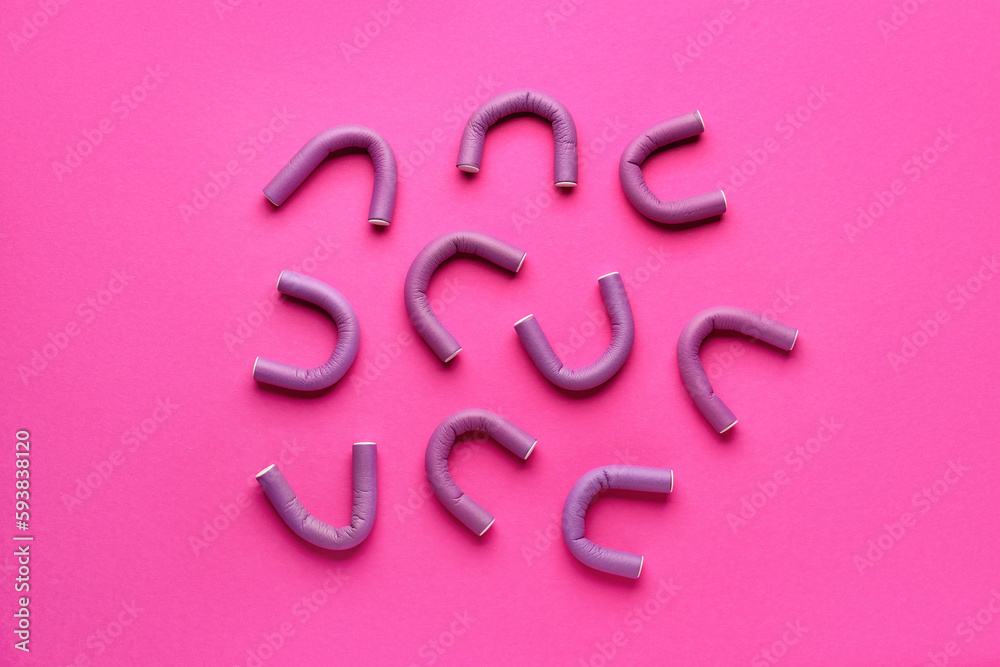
[
  {"x": 311, "y": 529},
  {"x": 642, "y": 198},
  {"x": 348, "y": 338},
  {"x": 303, "y": 163},
  {"x": 428, "y": 260},
  {"x": 610, "y": 361},
  {"x": 465, "y": 509},
  {"x": 470, "y": 152},
  {"x": 631, "y": 478},
  {"x": 693, "y": 371}
]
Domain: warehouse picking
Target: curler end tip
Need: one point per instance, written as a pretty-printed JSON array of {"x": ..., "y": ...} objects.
[
  {"x": 794, "y": 339},
  {"x": 468, "y": 168},
  {"x": 642, "y": 559},
  {"x": 526, "y": 317},
  {"x": 488, "y": 526},
  {"x": 735, "y": 421},
  {"x": 264, "y": 471},
  {"x": 519, "y": 264},
  {"x": 530, "y": 449},
  {"x": 701, "y": 121},
  {"x": 565, "y": 184},
  {"x": 453, "y": 355},
  {"x": 378, "y": 222},
  {"x": 613, "y": 273}
]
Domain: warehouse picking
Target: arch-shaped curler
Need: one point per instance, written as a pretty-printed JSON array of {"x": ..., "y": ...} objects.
[
  {"x": 426, "y": 263},
  {"x": 470, "y": 152},
  {"x": 464, "y": 508},
  {"x": 642, "y": 198},
  {"x": 303, "y": 163},
  {"x": 631, "y": 478},
  {"x": 610, "y": 361},
  {"x": 311, "y": 529},
  {"x": 333, "y": 302},
  {"x": 693, "y": 371}
]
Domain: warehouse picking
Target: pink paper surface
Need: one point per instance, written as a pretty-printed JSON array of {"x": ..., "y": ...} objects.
[{"x": 140, "y": 280}]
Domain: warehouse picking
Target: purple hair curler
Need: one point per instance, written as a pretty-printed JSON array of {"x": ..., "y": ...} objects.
[
  {"x": 428, "y": 260},
  {"x": 631, "y": 478},
  {"x": 465, "y": 509},
  {"x": 609, "y": 363},
  {"x": 470, "y": 152},
  {"x": 311, "y": 529},
  {"x": 694, "y": 208},
  {"x": 693, "y": 372},
  {"x": 319, "y": 147},
  {"x": 348, "y": 338}
]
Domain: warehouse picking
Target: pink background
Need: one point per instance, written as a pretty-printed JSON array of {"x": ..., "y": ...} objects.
[{"x": 422, "y": 590}]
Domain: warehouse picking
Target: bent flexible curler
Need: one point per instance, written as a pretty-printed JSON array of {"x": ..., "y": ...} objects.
[
  {"x": 470, "y": 152},
  {"x": 428, "y": 260},
  {"x": 631, "y": 478},
  {"x": 311, "y": 529},
  {"x": 693, "y": 372},
  {"x": 609, "y": 363},
  {"x": 348, "y": 338},
  {"x": 319, "y": 147},
  {"x": 638, "y": 193},
  {"x": 465, "y": 509}
]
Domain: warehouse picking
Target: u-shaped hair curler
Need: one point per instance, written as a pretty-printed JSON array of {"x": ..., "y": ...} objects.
[
  {"x": 642, "y": 198},
  {"x": 303, "y": 163},
  {"x": 426, "y": 263},
  {"x": 609, "y": 363},
  {"x": 348, "y": 338},
  {"x": 464, "y": 508},
  {"x": 311, "y": 529},
  {"x": 631, "y": 478},
  {"x": 693, "y": 371},
  {"x": 470, "y": 152}
]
